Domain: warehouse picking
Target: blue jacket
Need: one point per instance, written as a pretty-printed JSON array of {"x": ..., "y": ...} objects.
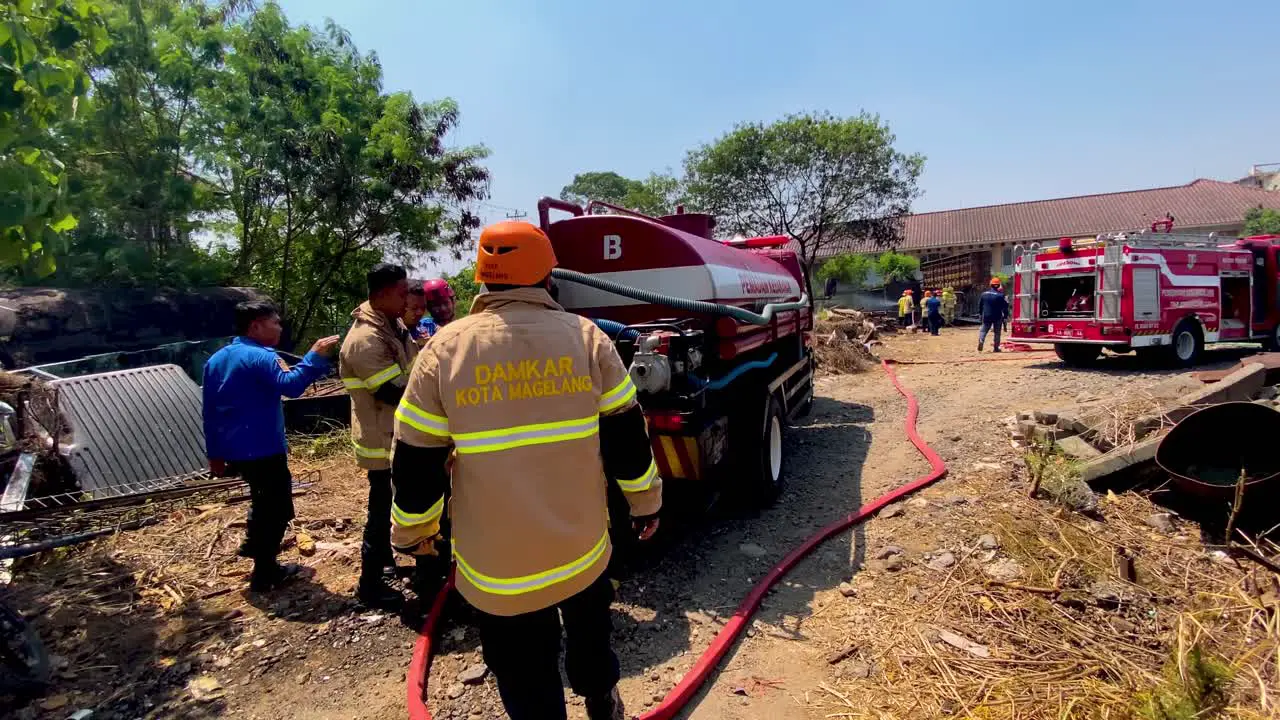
[
  {"x": 243, "y": 414},
  {"x": 994, "y": 306},
  {"x": 933, "y": 305}
]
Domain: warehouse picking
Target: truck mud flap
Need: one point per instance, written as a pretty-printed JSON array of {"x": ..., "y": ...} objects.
[{"x": 689, "y": 457}]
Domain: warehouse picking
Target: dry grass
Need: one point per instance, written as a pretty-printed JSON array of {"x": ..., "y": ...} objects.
[
  {"x": 1128, "y": 416},
  {"x": 1182, "y": 634}
]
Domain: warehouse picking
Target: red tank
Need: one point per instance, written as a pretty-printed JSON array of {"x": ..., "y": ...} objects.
[{"x": 663, "y": 255}]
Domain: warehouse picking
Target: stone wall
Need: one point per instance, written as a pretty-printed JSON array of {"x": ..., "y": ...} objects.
[{"x": 49, "y": 325}]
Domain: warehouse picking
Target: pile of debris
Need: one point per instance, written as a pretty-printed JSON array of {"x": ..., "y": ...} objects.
[
  {"x": 31, "y": 423},
  {"x": 1106, "y": 436},
  {"x": 843, "y": 338}
]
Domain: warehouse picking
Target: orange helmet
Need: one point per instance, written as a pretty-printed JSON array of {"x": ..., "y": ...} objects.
[
  {"x": 513, "y": 253},
  {"x": 995, "y": 282},
  {"x": 928, "y": 293},
  {"x": 908, "y": 292}
]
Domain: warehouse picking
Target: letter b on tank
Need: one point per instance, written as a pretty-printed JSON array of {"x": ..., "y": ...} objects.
[{"x": 612, "y": 247}]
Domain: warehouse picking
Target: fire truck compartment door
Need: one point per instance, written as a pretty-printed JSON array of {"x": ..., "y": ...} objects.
[{"x": 1146, "y": 294}]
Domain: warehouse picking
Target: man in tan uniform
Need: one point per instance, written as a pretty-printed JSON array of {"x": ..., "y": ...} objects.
[
  {"x": 541, "y": 413},
  {"x": 374, "y": 364}
]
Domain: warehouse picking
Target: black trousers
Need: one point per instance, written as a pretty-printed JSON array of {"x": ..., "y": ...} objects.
[
  {"x": 270, "y": 506},
  {"x": 375, "y": 548},
  {"x": 523, "y": 651}
]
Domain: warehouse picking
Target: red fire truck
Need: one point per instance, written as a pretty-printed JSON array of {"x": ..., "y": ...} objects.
[{"x": 1154, "y": 292}]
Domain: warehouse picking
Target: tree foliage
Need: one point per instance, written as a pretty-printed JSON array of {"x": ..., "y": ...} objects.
[
  {"x": 850, "y": 268},
  {"x": 656, "y": 195},
  {"x": 222, "y": 145},
  {"x": 1261, "y": 221},
  {"x": 896, "y": 267},
  {"x": 44, "y": 48},
  {"x": 137, "y": 185},
  {"x": 324, "y": 173},
  {"x": 814, "y": 177}
]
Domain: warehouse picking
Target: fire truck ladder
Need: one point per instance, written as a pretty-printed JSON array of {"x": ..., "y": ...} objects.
[
  {"x": 1025, "y": 261},
  {"x": 1107, "y": 281}
]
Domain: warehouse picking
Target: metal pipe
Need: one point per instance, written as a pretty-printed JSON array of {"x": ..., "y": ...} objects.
[
  {"x": 546, "y": 204},
  {"x": 619, "y": 208}
]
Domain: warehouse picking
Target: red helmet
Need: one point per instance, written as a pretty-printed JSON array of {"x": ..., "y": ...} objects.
[{"x": 437, "y": 290}]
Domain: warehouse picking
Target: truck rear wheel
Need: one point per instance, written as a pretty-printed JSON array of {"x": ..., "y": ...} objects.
[
  {"x": 1188, "y": 343},
  {"x": 762, "y": 454},
  {"x": 1074, "y": 355}
]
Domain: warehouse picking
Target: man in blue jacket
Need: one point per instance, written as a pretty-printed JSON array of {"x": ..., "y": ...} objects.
[
  {"x": 993, "y": 306},
  {"x": 244, "y": 428}
]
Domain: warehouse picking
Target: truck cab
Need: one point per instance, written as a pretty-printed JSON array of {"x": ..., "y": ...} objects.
[{"x": 1265, "y": 317}]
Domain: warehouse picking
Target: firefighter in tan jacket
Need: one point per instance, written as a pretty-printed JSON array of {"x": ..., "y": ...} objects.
[
  {"x": 542, "y": 414},
  {"x": 377, "y": 355}
]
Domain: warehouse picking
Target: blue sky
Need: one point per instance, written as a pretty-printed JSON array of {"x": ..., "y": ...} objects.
[{"x": 1008, "y": 100}]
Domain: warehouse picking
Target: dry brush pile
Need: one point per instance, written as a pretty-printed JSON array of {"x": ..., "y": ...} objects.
[{"x": 1130, "y": 615}]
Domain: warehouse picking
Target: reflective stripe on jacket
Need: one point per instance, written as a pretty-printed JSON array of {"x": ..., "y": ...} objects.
[
  {"x": 906, "y": 304},
  {"x": 374, "y": 352},
  {"x": 518, "y": 389}
]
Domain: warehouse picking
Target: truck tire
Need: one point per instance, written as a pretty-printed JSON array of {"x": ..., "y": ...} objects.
[
  {"x": 763, "y": 455},
  {"x": 1188, "y": 344},
  {"x": 1273, "y": 343},
  {"x": 1073, "y": 355}
]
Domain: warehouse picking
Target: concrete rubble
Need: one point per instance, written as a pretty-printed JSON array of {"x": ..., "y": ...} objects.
[{"x": 1078, "y": 431}]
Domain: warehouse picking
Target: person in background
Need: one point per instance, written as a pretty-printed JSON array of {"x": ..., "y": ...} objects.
[
  {"x": 440, "y": 303},
  {"x": 375, "y": 361},
  {"x": 949, "y": 305},
  {"x": 244, "y": 429},
  {"x": 933, "y": 312},
  {"x": 906, "y": 309},
  {"x": 529, "y": 483},
  {"x": 993, "y": 307},
  {"x": 832, "y": 285},
  {"x": 414, "y": 312}
]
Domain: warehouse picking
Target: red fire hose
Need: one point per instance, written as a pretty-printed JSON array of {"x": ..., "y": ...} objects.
[{"x": 689, "y": 685}]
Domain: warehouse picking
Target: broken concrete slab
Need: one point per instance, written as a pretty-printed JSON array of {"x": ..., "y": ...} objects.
[
  {"x": 1046, "y": 417},
  {"x": 1120, "y": 459},
  {"x": 1240, "y": 385},
  {"x": 1078, "y": 448},
  {"x": 1269, "y": 360}
]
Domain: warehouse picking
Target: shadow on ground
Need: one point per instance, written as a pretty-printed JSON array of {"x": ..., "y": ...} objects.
[{"x": 705, "y": 569}]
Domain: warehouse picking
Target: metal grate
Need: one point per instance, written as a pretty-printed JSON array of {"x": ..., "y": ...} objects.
[{"x": 136, "y": 430}]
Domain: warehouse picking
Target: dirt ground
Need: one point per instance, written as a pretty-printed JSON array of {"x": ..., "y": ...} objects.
[{"x": 892, "y": 619}]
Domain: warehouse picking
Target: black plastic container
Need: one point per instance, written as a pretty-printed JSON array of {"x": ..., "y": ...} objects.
[{"x": 1205, "y": 453}]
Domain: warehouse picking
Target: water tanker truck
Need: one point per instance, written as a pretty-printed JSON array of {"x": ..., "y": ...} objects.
[{"x": 717, "y": 335}]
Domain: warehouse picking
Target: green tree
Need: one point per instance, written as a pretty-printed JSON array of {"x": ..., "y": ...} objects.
[
  {"x": 896, "y": 267},
  {"x": 656, "y": 195},
  {"x": 848, "y": 268},
  {"x": 323, "y": 173},
  {"x": 814, "y": 177},
  {"x": 1261, "y": 221},
  {"x": 139, "y": 192},
  {"x": 44, "y": 48}
]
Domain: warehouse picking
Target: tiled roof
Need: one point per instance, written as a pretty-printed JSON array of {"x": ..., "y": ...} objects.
[{"x": 1197, "y": 204}]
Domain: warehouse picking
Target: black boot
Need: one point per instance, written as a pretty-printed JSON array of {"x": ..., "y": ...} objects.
[
  {"x": 270, "y": 575},
  {"x": 606, "y": 707},
  {"x": 375, "y": 592}
]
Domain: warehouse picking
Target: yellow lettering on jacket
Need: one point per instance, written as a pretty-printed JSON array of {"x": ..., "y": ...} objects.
[{"x": 525, "y": 379}]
